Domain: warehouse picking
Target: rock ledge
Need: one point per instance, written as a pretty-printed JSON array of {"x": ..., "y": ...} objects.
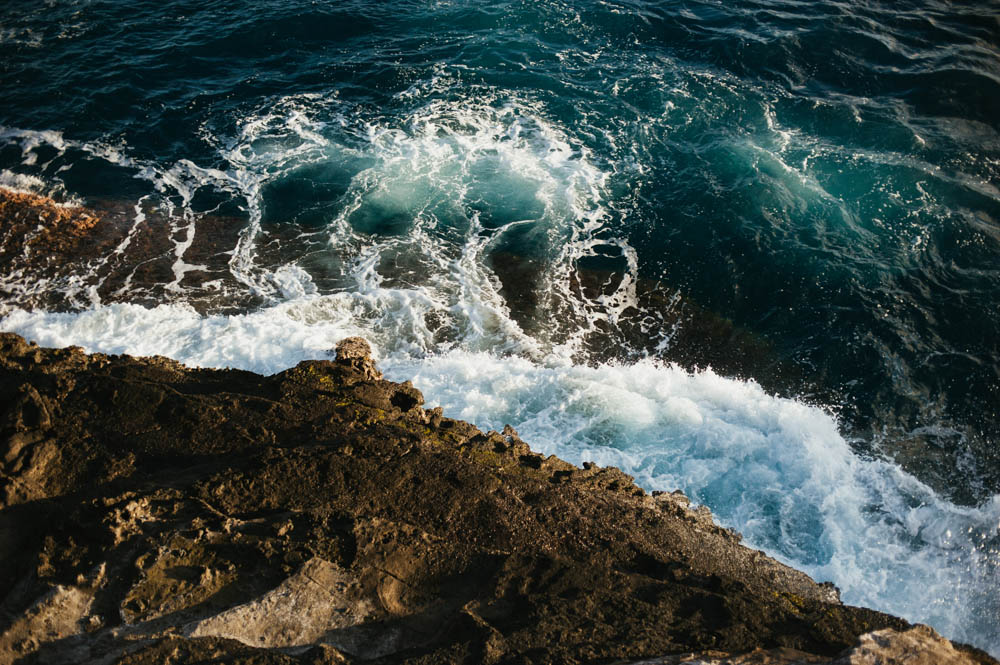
[{"x": 152, "y": 513}]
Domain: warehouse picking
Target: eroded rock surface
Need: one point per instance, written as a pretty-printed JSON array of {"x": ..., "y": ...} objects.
[
  {"x": 152, "y": 513},
  {"x": 918, "y": 645}
]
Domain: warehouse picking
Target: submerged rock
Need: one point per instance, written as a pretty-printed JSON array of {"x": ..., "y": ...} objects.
[
  {"x": 153, "y": 513},
  {"x": 65, "y": 256}
]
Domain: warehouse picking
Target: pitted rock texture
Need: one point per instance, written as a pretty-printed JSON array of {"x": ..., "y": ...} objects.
[
  {"x": 152, "y": 513},
  {"x": 918, "y": 645}
]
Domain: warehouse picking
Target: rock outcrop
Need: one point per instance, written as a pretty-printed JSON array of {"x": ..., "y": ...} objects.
[
  {"x": 919, "y": 645},
  {"x": 151, "y": 513}
]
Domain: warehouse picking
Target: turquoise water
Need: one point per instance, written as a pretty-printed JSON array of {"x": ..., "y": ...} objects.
[{"x": 535, "y": 207}]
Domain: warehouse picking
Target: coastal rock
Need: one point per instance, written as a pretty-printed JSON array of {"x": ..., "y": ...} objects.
[
  {"x": 34, "y": 224},
  {"x": 356, "y": 354},
  {"x": 319, "y": 598},
  {"x": 60, "y": 255},
  {"x": 918, "y": 645},
  {"x": 154, "y": 513}
]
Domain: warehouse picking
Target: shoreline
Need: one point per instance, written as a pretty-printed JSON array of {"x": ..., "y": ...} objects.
[{"x": 322, "y": 515}]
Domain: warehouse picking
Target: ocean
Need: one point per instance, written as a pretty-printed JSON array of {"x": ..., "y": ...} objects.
[{"x": 749, "y": 249}]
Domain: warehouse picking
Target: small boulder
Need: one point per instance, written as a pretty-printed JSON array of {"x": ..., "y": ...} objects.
[{"x": 355, "y": 353}]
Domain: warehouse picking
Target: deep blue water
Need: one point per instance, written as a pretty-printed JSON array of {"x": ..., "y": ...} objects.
[{"x": 569, "y": 183}]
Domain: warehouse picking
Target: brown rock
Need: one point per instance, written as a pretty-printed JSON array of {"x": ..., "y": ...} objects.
[
  {"x": 355, "y": 354},
  {"x": 920, "y": 645},
  {"x": 321, "y": 515}
]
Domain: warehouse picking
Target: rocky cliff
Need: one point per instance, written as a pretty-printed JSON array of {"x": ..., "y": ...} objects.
[{"x": 151, "y": 513}]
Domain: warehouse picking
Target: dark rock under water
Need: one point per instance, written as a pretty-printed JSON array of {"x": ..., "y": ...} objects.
[{"x": 154, "y": 513}]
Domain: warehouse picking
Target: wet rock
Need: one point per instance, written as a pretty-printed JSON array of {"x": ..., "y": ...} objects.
[
  {"x": 38, "y": 225},
  {"x": 58, "y": 255}
]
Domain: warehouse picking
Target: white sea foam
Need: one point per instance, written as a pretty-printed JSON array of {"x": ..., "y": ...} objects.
[
  {"x": 775, "y": 469},
  {"x": 20, "y": 182},
  {"x": 439, "y": 187}
]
